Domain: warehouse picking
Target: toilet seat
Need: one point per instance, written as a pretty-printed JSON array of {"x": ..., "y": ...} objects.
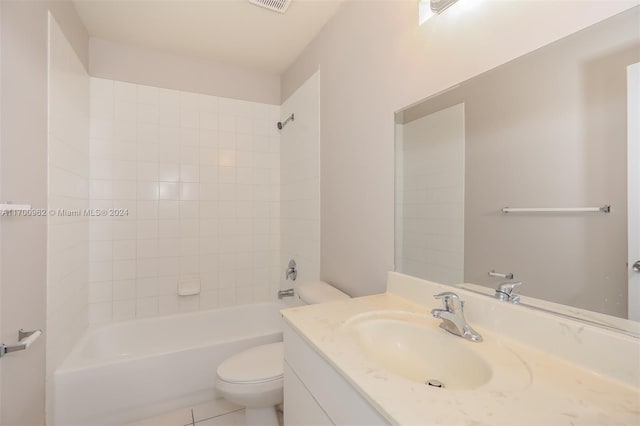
[
  {"x": 254, "y": 378},
  {"x": 256, "y": 365}
]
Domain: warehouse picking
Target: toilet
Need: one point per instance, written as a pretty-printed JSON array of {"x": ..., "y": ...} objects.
[{"x": 254, "y": 378}]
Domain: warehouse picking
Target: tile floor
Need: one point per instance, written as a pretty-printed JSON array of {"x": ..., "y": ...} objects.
[{"x": 215, "y": 413}]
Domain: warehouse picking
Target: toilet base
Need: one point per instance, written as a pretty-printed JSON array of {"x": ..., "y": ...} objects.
[{"x": 261, "y": 416}]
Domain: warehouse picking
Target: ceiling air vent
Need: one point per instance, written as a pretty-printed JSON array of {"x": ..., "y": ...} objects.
[{"x": 280, "y": 6}]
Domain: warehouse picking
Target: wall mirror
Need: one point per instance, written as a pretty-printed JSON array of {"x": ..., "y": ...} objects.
[{"x": 549, "y": 130}]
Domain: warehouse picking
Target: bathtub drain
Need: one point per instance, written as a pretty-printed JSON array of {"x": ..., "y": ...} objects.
[{"x": 434, "y": 383}]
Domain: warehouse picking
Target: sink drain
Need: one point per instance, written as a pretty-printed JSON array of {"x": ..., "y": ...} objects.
[{"x": 435, "y": 383}]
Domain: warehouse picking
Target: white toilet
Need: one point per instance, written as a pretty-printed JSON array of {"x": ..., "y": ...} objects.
[{"x": 254, "y": 378}]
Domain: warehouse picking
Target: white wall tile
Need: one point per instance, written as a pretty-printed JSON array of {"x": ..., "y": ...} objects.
[
  {"x": 169, "y": 267},
  {"x": 100, "y": 271},
  {"x": 146, "y": 307},
  {"x": 101, "y": 292},
  {"x": 169, "y": 228},
  {"x": 124, "y": 270},
  {"x": 147, "y": 171},
  {"x": 101, "y": 88},
  {"x": 168, "y": 134},
  {"x": 168, "y": 172},
  {"x": 168, "y": 304},
  {"x": 146, "y": 287},
  {"x": 124, "y": 249},
  {"x": 148, "y": 95},
  {"x": 189, "y": 191},
  {"x": 297, "y": 160},
  {"x": 125, "y": 91},
  {"x": 124, "y": 310},
  {"x": 147, "y": 249},
  {"x": 124, "y": 290},
  {"x": 169, "y": 191},
  {"x": 189, "y": 117},
  {"x": 209, "y": 300},
  {"x": 147, "y": 268},
  {"x": 189, "y": 209},
  {"x": 121, "y": 151},
  {"x": 124, "y": 230},
  {"x": 168, "y": 209},
  {"x": 124, "y": 189},
  {"x": 148, "y": 113},
  {"x": 125, "y": 110},
  {"x": 189, "y": 303},
  {"x": 186, "y": 166},
  {"x": 100, "y": 251},
  {"x": 189, "y": 173},
  {"x": 147, "y": 209},
  {"x": 100, "y": 312}
]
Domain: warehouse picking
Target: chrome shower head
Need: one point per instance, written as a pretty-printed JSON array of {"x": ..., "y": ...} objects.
[{"x": 281, "y": 124}]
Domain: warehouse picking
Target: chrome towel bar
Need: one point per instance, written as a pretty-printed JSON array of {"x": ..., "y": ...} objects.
[
  {"x": 603, "y": 209},
  {"x": 10, "y": 207},
  {"x": 508, "y": 275}
]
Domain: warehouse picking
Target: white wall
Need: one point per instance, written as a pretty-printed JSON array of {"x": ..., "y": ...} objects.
[
  {"x": 132, "y": 64},
  {"x": 300, "y": 183},
  {"x": 1, "y": 198},
  {"x": 199, "y": 176},
  {"x": 375, "y": 60},
  {"x": 68, "y": 191},
  {"x": 24, "y": 180},
  {"x": 431, "y": 218}
]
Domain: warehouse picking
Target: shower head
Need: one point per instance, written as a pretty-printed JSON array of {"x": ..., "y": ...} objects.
[{"x": 281, "y": 124}]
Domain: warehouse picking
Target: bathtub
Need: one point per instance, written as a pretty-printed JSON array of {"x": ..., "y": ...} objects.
[{"x": 130, "y": 370}]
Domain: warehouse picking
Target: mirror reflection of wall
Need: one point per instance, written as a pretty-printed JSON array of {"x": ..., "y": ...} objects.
[
  {"x": 545, "y": 130},
  {"x": 431, "y": 196}
]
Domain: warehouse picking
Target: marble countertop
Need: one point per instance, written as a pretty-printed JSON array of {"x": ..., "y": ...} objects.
[{"x": 556, "y": 392}]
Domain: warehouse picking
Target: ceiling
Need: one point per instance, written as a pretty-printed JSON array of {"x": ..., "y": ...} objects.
[{"x": 231, "y": 31}]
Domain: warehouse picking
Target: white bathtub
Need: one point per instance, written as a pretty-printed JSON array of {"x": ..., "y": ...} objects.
[{"x": 126, "y": 371}]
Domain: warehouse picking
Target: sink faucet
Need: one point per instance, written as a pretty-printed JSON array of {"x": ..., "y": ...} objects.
[
  {"x": 505, "y": 291},
  {"x": 453, "y": 318}
]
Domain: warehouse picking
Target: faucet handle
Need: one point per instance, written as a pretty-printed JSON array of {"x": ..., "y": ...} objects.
[
  {"x": 451, "y": 300},
  {"x": 507, "y": 287},
  {"x": 505, "y": 292},
  {"x": 446, "y": 295}
]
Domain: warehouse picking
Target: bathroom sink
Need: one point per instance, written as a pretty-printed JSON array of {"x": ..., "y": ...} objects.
[{"x": 414, "y": 347}]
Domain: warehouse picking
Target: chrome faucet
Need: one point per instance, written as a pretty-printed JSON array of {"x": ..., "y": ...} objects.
[
  {"x": 505, "y": 291},
  {"x": 292, "y": 271},
  {"x": 453, "y": 318}
]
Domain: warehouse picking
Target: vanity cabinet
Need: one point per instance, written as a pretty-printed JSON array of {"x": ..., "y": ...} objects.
[
  {"x": 302, "y": 408},
  {"x": 315, "y": 394}
]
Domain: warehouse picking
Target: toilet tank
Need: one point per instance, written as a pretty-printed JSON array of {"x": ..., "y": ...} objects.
[{"x": 319, "y": 292}]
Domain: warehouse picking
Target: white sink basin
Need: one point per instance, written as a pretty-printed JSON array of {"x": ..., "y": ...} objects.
[{"x": 414, "y": 347}]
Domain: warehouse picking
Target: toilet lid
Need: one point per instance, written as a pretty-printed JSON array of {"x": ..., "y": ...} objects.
[{"x": 259, "y": 364}]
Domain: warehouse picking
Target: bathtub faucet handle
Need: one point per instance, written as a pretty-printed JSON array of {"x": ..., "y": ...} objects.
[{"x": 292, "y": 271}]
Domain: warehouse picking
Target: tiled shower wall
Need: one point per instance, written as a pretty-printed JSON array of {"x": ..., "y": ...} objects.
[
  {"x": 68, "y": 196},
  {"x": 300, "y": 179},
  {"x": 198, "y": 178}
]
